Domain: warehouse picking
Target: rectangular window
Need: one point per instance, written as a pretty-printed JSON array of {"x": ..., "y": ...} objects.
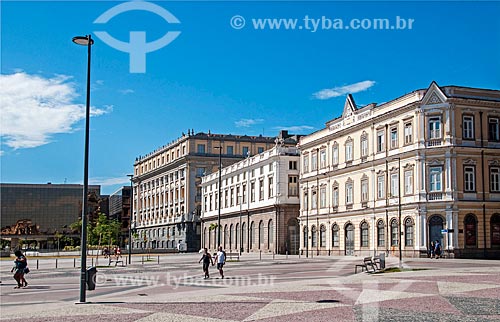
[
  {"x": 226, "y": 198},
  {"x": 494, "y": 179},
  {"x": 293, "y": 188},
  {"x": 322, "y": 158},
  {"x": 335, "y": 155},
  {"x": 260, "y": 150},
  {"x": 394, "y": 138},
  {"x": 230, "y": 150},
  {"x": 322, "y": 197},
  {"x": 271, "y": 187},
  {"x": 408, "y": 182},
  {"x": 314, "y": 161},
  {"x": 349, "y": 193},
  {"x": 394, "y": 185},
  {"x": 335, "y": 238},
  {"x": 364, "y": 190},
  {"x": 306, "y": 163},
  {"x": 292, "y": 165},
  {"x": 408, "y": 133},
  {"x": 252, "y": 192},
  {"x": 244, "y": 192},
  {"x": 200, "y": 172},
  {"x": 244, "y": 151},
  {"x": 314, "y": 200},
  {"x": 435, "y": 177},
  {"x": 261, "y": 170},
  {"x": 238, "y": 195},
  {"x": 335, "y": 197},
  {"x": 261, "y": 189},
  {"x": 364, "y": 146},
  {"x": 469, "y": 179},
  {"x": 435, "y": 128},
  {"x": 381, "y": 187},
  {"x": 232, "y": 197},
  {"x": 380, "y": 141},
  {"x": 468, "y": 127},
  {"x": 306, "y": 201},
  {"x": 493, "y": 129},
  {"x": 348, "y": 151}
]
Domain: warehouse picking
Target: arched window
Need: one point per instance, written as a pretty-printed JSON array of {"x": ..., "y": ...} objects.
[
  {"x": 470, "y": 225},
  {"x": 305, "y": 236},
  {"x": 270, "y": 234},
  {"x": 364, "y": 234},
  {"x": 251, "y": 238},
  {"x": 231, "y": 236},
  {"x": 394, "y": 232},
  {"x": 335, "y": 236},
  {"x": 237, "y": 236},
  {"x": 322, "y": 236},
  {"x": 495, "y": 230},
  {"x": 261, "y": 233},
  {"x": 313, "y": 236},
  {"x": 244, "y": 235},
  {"x": 226, "y": 235},
  {"x": 380, "y": 233},
  {"x": 409, "y": 232}
]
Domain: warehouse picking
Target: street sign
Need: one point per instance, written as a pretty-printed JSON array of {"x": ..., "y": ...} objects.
[{"x": 444, "y": 231}]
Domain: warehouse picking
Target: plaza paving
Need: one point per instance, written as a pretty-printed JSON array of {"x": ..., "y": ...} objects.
[{"x": 280, "y": 289}]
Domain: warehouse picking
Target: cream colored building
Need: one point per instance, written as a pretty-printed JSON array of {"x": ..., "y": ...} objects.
[
  {"x": 259, "y": 199},
  {"x": 424, "y": 166},
  {"x": 167, "y": 186}
]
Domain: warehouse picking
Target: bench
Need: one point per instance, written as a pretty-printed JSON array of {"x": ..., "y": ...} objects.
[
  {"x": 231, "y": 255},
  {"x": 116, "y": 261},
  {"x": 368, "y": 264}
]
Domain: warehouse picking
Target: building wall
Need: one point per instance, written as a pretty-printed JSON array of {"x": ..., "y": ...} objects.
[
  {"x": 257, "y": 201},
  {"x": 167, "y": 195},
  {"x": 428, "y": 155}
]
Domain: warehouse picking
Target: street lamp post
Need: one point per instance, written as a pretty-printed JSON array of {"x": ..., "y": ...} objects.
[
  {"x": 131, "y": 214},
  {"x": 241, "y": 235},
  {"x": 219, "y": 196},
  {"x": 85, "y": 41}
]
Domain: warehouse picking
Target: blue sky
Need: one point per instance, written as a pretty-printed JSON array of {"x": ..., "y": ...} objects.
[{"x": 214, "y": 77}]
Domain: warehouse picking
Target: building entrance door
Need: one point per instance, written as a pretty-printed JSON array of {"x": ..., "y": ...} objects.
[
  {"x": 436, "y": 223},
  {"x": 349, "y": 240},
  {"x": 293, "y": 237}
]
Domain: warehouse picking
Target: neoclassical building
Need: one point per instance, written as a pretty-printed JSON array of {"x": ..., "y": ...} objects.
[
  {"x": 167, "y": 186},
  {"x": 259, "y": 200},
  {"x": 422, "y": 167}
]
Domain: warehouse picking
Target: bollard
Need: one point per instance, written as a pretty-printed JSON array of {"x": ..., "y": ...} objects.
[
  {"x": 260, "y": 255},
  {"x": 37, "y": 264},
  {"x": 273, "y": 255},
  {"x": 74, "y": 262},
  {"x": 142, "y": 260},
  {"x": 56, "y": 262},
  {"x": 299, "y": 254},
  {"x": 158, "y": 259},
  {"x": 92, "y": 261},
  {"x": 286, "y": 254}
]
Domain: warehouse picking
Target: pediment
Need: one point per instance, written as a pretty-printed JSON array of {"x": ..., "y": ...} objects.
[{"x": 434, "y": 95}]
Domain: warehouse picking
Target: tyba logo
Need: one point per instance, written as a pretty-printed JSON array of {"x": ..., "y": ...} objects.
[{"x": 137, "y": 46}]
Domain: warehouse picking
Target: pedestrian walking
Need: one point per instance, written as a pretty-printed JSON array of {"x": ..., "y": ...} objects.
[
  {"x": 207, "y": 260},
  {"x": 20, "y": 268},
  {"x": 220, "y": 259},
  {"x": 437, "y": 249}
]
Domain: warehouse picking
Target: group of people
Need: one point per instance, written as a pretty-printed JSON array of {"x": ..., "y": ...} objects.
[
  {"x": 116, "y": 252},
  {"x": 207, "y": 259},
  {"x": 435, "y": 249}
]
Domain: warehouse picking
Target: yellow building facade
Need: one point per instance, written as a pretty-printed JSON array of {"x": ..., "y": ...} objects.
[{"x": 393, "y": 177}]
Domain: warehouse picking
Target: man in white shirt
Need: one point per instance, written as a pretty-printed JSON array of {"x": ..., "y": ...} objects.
[{"x": 220, "y": 259}]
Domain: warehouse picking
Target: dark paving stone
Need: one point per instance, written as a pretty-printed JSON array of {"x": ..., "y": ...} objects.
[
  {"x": 475, "y": 305},
  {"x": 342, "y": 296}
]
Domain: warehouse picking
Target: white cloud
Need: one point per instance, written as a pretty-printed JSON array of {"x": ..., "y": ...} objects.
[
  {"x": 35, "y": 108},
  {"x": 126, "y": 91},
  {"x": 247, "y": 122},
  {"x": 343, "y": 90},
  {"x": 110, "y": 181},
  {"x": 295, "y": 129}
]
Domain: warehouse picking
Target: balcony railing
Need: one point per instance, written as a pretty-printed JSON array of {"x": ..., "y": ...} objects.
[
  {"x": 434, "y": 142},
  {"x": 435, "y": 196}
]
